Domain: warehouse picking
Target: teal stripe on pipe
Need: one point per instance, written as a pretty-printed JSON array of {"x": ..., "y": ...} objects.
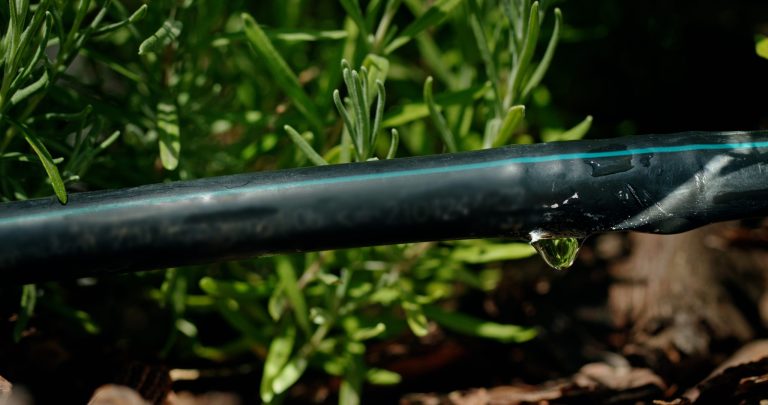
[{"x": 72, "y": 211}]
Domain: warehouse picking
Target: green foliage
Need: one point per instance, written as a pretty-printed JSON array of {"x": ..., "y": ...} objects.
[
  {"x": 280, "y": 70},
  {"x": 761, "y": 47},
  {"x": 437, "y": 117},
  {"x": 108, "y": 94},
  {"x": 163, "y": 37}
]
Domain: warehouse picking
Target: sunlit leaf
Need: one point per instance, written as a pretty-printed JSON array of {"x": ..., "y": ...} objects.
[
  {"x": 352, "y": 381},
  {"x": 511, "y": 121},
  {"x": 305, "y": 147},
  {"x": 369, "y": 333},
  {"x": 762, "y": 47},
  {"x": 379, "y": 376},
  {"x": 415, "y": 317},
  {"x": 352, "y": 7},
  {"x": 437, "y": 117},
  {"x": 573, "y": 134},
  {"x": 48, "y": 164},
  {"x": 164, "y": 36},
  {"x": 393, "y": 144},
  {"x": 230, "y": 311},
  {"x": 287, "y": 274},
  {"x": 233, "y": 289},
  {"x": 543, "y": 66},
  {"x": 409, "y": 112},
  {"x": 137, "y": 15},
  {"x": 28, "y": 301},
  {"x": 32, "y": 88},
  {"x": 279, "y": 352},
  {"x": 186, "y": 327},
  {"x": 281, "y": 72},
  {"x": 289, "y": 374},
  {"x": 432, "y": 17},
  {"x": 492, "y": 252},
  {"x": 169, "y": 134},
  {"x": 470, "y": 325},
  {"x": 304, "y": 35}
]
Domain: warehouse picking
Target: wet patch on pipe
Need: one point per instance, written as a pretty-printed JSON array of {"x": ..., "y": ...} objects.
[
  {"x": 743, "y": 196},
  {"x": 609, "y": 165}
]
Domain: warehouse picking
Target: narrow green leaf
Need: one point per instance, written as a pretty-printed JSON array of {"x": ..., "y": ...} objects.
[
  {"x": 380, "y": 101},
  {"x": 348, "y": 124},
  {"x": 372, "y": 10},
  {"x": 186, "y": 327},
  {"x": 305, "y": 147},
  {"x": 578, "y": 131},
  {"x": 277, "y": 302},
  {"x": 173, "y": 290},
  {"x": 305, "y": 35},
  {"x": 352, "y": 382},
  {"x": 541, "y": 69},
  {"x": 28, "y": 301},
  {"x": 278, "y": 355},
  {"x": 23, "y": 157},
  {"x": 492, "y": 252},
  {"x": 164, "y": 36},
  {"x": 355, "y": 116},
  {"x": 289, "y": 374},
  {"x": 113, "y": 64},
  {"x": 437, "y": 117},
  {"x": 369, "y": 333},
  {"x": 109, "y": 141},
  {"x": 380, "y": 376},
  {"x": 231, "y": 312},
  {"x": 45, "y": 157},
  {"x": 137, "y": 15},
  {"x": 518, "y": 71},
  {"x": 573, "y": 134},
  {"x": 32, "y": 64},
  {"x": 74, "y": 30},
  {"x": 431, "y": 18},
  {"x": 37, "y": 85},
  {"x": 378, "y": 69},
  {"x": 86, "y": 321},
  {"x": 359, "y": 107},
  {"x": 239, "y": 290},
  {"x": 333, "y": 365},
  {"x": 470, "y": 325},
  {"x": 287, "y": 274},
  {"x": 414, "y": 315},
  {"x": 383, "y": 32},
  {"x": 393, "y": 144},
  {"x": 169, "y": 134},
  {"x": 409, "y": 112},
  {"x": 476, "y": 24},
  {"x": 437, "y": 61},
  {"x": 352, "y": 7},
  {"x": 762, "y": 48},
  {"x": 41, "y": 15},
  {"x": 511, "y": 121},
  {"x": 68, "y": 117},
  {"x": 282, "y": 73}
]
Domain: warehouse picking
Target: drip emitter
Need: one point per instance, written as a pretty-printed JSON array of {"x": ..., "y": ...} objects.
[{"x": 652, "y": 183}]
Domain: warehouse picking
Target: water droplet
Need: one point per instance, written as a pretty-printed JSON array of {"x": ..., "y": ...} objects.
[{"x": 558, "y": 252}]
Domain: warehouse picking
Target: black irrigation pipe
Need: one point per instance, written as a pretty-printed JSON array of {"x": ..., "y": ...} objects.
[{"x": 654, "y": 183}]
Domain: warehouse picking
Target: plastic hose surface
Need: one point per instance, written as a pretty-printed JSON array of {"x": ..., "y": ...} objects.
[{"x": 653, "y": 183}]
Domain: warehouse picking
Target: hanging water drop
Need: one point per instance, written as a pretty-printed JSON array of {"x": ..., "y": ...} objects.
[{"x": 558, "y": 252}]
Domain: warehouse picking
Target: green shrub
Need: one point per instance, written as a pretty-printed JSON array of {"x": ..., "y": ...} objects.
[{"x": 107, "y": 94}]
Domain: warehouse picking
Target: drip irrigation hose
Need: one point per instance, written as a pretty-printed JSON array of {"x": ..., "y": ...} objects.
[{"x": 653, "y": 183}]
